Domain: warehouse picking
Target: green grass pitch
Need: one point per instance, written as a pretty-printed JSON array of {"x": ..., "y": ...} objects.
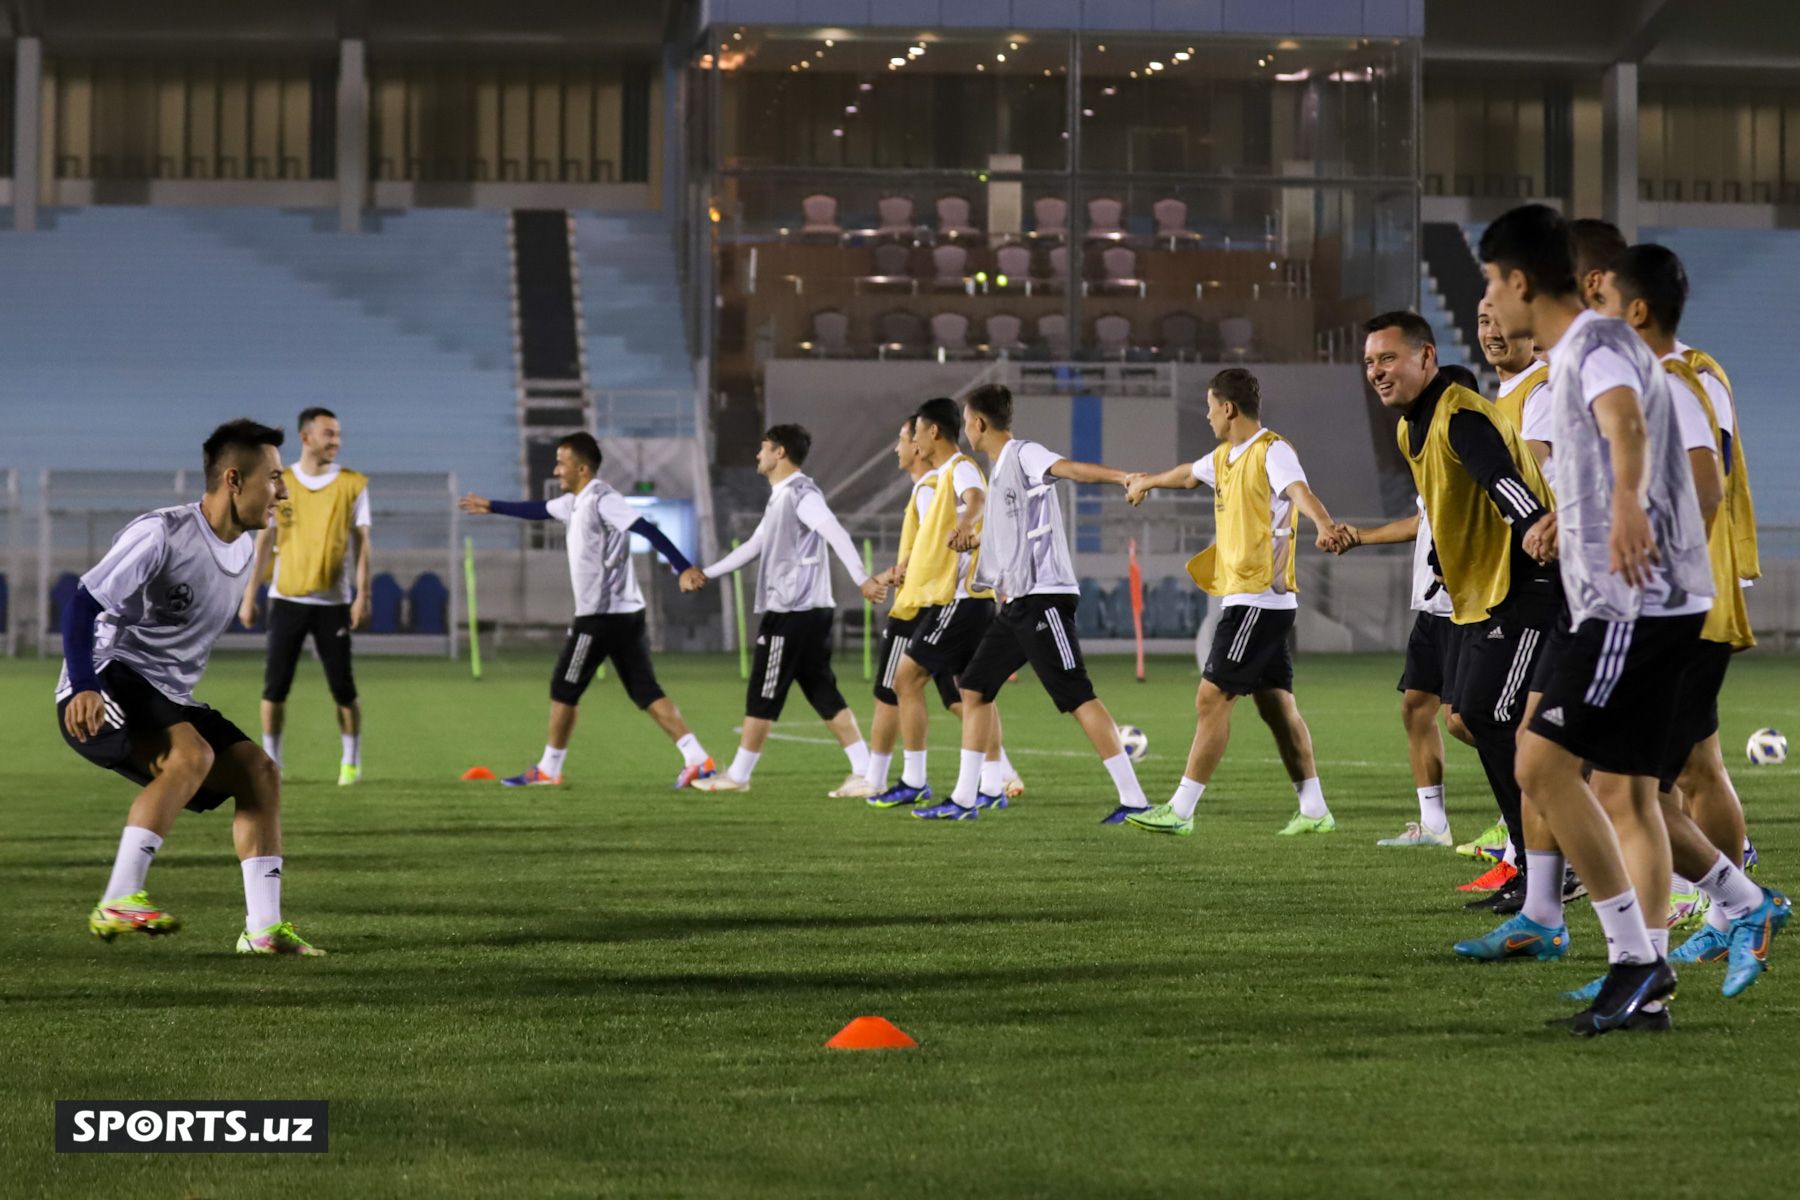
[{"x": 611, "y": 989}]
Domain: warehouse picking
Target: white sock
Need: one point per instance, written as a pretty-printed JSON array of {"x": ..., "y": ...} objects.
[
  {"x": 1543, "y": 887},
  {"x": 743, "y": 764},
  {"x": 1716, "y": 920},
  {"x": 912, "y": 768},
  {"x": 858, "y": 754},
  {"x": 1431, "y": 808},
  {"x": 1659, "y": 941},
  {"x": 1679, "y": 884},
  {"x": 1312, "y": 798},
  {"x": 551, "y": 763},
  {"x": 1511, "y": 855},
  {"x": 1124, "y": 778},
  {"x": 693, "y": 754},
  {"x": 968, "y": 777},
  {"x": 1187, "y": 797},
  {"x": 1731, "y": 891},
  {"x": 137, "y": 849},
  {"x": 993, "y": 779},
  {"x": 352, "y": 749},
  {"x": 1006, "y": 767},
  {"x": 1622, "y": 920},
  {"x": 272, "y": 747},
  {"x": 262, "y": 892},
  {"x": 878, "y": 770}
]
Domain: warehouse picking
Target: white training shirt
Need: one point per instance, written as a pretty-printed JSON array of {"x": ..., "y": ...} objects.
[
  {"x": 1534, "y": 419},
  {"x": 1423, "y": 577},
  {"x": 817, "y": 516},
  {"x": 1284, "y": 472},
  {"x": 965, "y": 476},
  {"x": 599, "y": 543},
  {"x": 359, "y": 517}
]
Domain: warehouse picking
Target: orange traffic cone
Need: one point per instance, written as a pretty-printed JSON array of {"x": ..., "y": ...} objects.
[
  {"x": 870, "y": 1033},
  {"x": 478, "y": 773}
]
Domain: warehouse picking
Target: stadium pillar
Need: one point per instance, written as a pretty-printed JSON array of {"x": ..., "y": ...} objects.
[
  {"x": 352, "y": 133},
  {"x": 1619, "y": 147},
  {"x": 28, "y": 75}
]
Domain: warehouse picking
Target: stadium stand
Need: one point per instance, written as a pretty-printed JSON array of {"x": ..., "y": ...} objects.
[{"x": 637, "y": 352}]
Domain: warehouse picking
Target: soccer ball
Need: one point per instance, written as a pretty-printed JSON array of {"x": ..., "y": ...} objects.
[
  {"x": 1137, "y": 742},
  {"x": 1767, "y": 747}
]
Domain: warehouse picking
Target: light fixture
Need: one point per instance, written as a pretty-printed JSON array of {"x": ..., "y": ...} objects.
[
  {"x": 896, "y": 62},
  {"x": 837, "y": 133},
  {"x": 1134, "y": 74},
  {"x": 1156, "y": 66},
  {"x": 981, "y": 66},
  {"x": 999, "y": 58},
  {"x": 1087, "y": 112},
  {"x": 1102, "y": 49},
  {"x": 865, "y": 87},
  {"x": 738, "y": 36},
  {"x": 1012, "y": 45},
  {"x": 1109, "y": 91},
  {"x": 805, "y": 63},
  {"x": 818, "y": 54},
  {"x": 850, "y": 108},
  {"x": 1182, "y": 56},
  {"x": 829, "y": 42}
]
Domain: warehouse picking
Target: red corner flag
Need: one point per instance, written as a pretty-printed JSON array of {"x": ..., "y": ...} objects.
[{"x": 1137, "y": 608}]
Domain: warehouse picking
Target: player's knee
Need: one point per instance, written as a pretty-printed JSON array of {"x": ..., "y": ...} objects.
[
  {"x": 264, "y": 779},
  {"x": 1459, "y": 729},
  {"x": 1418, "y": 709},
  {"x": 190, "y": 758}
]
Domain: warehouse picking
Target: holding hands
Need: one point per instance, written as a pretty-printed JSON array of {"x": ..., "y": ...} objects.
[
  {"x": 1137, "y": 486},
  {"x": 1339, "y": 538},
  {"x": 1540, "y": 539},
  {"x": 874, "y": 589},
  {"x": 693, "y": 579}
]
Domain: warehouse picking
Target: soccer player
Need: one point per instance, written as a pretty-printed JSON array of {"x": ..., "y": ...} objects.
[
  {"x": 136, "y": 638},
  {"x": 319, "y": 540},
  {"x": 793, "y": 594},
  {"x": 609, "y": 608},
  {"x": 953, "y": 613},
  {"x": 1631, "y": 544},
  {"x": 1259, "y": 493},
  {"x": 1428, "y": 679},
  {"x": 884, "y": 727},
  {"x": 1025, "y": 558}
]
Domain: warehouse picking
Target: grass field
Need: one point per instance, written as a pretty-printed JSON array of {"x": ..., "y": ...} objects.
[{"x": 611, "y": 989}]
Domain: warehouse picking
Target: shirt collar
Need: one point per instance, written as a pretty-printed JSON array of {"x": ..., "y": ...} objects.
[
  {"x": 773, "y": 488},
  {"x": 1583, "y": 317},
  {"x": 1508, "y": 386}
]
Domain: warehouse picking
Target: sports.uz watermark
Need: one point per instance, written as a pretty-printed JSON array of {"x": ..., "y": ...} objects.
[{"x": 192, "y": 1126}]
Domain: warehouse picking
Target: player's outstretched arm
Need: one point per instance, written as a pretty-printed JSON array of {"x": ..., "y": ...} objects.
[
  {"x": 525, "y": 510},
  {"x": 1348, "y": 537},
  {"x": 659, "y": 540},
  {"x": 695, "y": 578},
  {"x": 1084, "y": 472},
  {"x": 1314, "y": 508},
  {"x": 1179, "y": 477}
]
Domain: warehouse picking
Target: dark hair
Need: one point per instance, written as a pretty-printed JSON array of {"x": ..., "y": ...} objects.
[
  {"x": 1599, "y": 246},
  {"x": 942, "y": 412},
  {"x": 792, "y": 438},
  {"x": 1237, "y": 386},
  {"x": 1533, "y": 238},
  {"x": 583, "y": 446},
  {"x": 993, "y": 403},
  {"x": 309, "y": 415},
  {"x": 1416, "y": 329},
  {"x": 1654, "y": 274},
  {"x": 1461, "y": 376},
  {"x": 232, "y": 439}
]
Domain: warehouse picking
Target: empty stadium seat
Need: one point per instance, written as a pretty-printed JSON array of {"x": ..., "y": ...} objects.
[
  {"x": 1050, "y": 216},
  {"x": 384, "y": 604},
  {"x": 429, "y": 602}
]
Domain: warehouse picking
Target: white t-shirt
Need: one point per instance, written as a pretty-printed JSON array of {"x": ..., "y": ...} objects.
[
  {"x": 1284, "y": 472},
  {"x": 599, "y": 525},
  {"x": 816, "y": 515},
  {"x": 359, "y": 517},
  {"x": 1423, "y": 577},
  {"x": 964, "y": 476}
]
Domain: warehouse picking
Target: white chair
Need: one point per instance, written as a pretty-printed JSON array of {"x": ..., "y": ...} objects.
[
  {"x": 1103, "y": 218},
  {"x": 1059, "y": 264},
  {"x": 950, "y": 334},
  {"x": 831, "y": 334},
  {"x": 1003, "y": 335},
  {"x": 1235, "y": 337},
  {"x": 1171, "y": 218},
  {"x": 1050, "y": 215},
  {"x": 1119, "y": 264},
  {"x": 950, "y": 264},
  {"x": 821, "y": 215},
  {"x": 953, "y": 217},
  {"x": 1013, "y": 263},
  {"x": 896, "y": 216},
  {"x": 893, "y": 261},
  {"x": 1113, "y": 333},
  {"x": 1053, "y": 331}
]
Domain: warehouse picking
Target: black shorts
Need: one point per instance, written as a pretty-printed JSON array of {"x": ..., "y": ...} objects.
[
  {"x": 1696, "y": 705},
  {"x": 1498, "y": 658},
  {"x": 134, "y": 707},
  {"x": 1611, "y": 695},
  {"x": 1039, "y": 630},
  {"x": 948, "y": 634},
  {"x": 1431, "y": 656},
  {"x": 1250, "y": 650},
  {"x": 895, "y": 642},
  {"x": 793, "y": 647},
  {"x": 329, "y": 625},
  {"x": 594, "y": 639}
]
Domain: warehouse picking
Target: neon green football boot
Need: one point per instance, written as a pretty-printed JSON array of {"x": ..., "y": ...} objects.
[
  {"x": 1302, "y": 823},
  {"x": 349, "y": 773},
  {"x": 130, "y": 914},
  {"x": 1161, "y": 819},
  {"x": 1489, "y": 844},
  {"x": 277, "y": 939}
]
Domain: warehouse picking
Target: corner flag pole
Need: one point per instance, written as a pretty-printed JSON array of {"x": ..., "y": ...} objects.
[
  {"x": 737, "y": 598},
  {"x": 1137, "y": 607},
  {"x": 868, "y": 615},
  {"x": 469, "y": 593}
]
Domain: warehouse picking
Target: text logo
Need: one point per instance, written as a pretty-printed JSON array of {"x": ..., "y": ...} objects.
[{"x": 192, "y": 1126}]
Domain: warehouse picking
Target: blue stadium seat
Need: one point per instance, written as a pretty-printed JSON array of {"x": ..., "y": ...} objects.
[
  {"x": 384, "y": 602},
  {"x": 61, "y": 593},
  {"x": 430, "y": 605}
]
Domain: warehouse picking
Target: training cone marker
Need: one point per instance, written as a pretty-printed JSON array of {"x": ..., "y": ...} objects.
[
  {"x": 478, "y": 773},
  {"x": 870, "y": 1033}
]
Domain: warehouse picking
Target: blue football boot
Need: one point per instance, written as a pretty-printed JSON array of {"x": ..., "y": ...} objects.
[
  {"x": 1520, "y": 937},
  {"x": 900, "y": 794}
]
